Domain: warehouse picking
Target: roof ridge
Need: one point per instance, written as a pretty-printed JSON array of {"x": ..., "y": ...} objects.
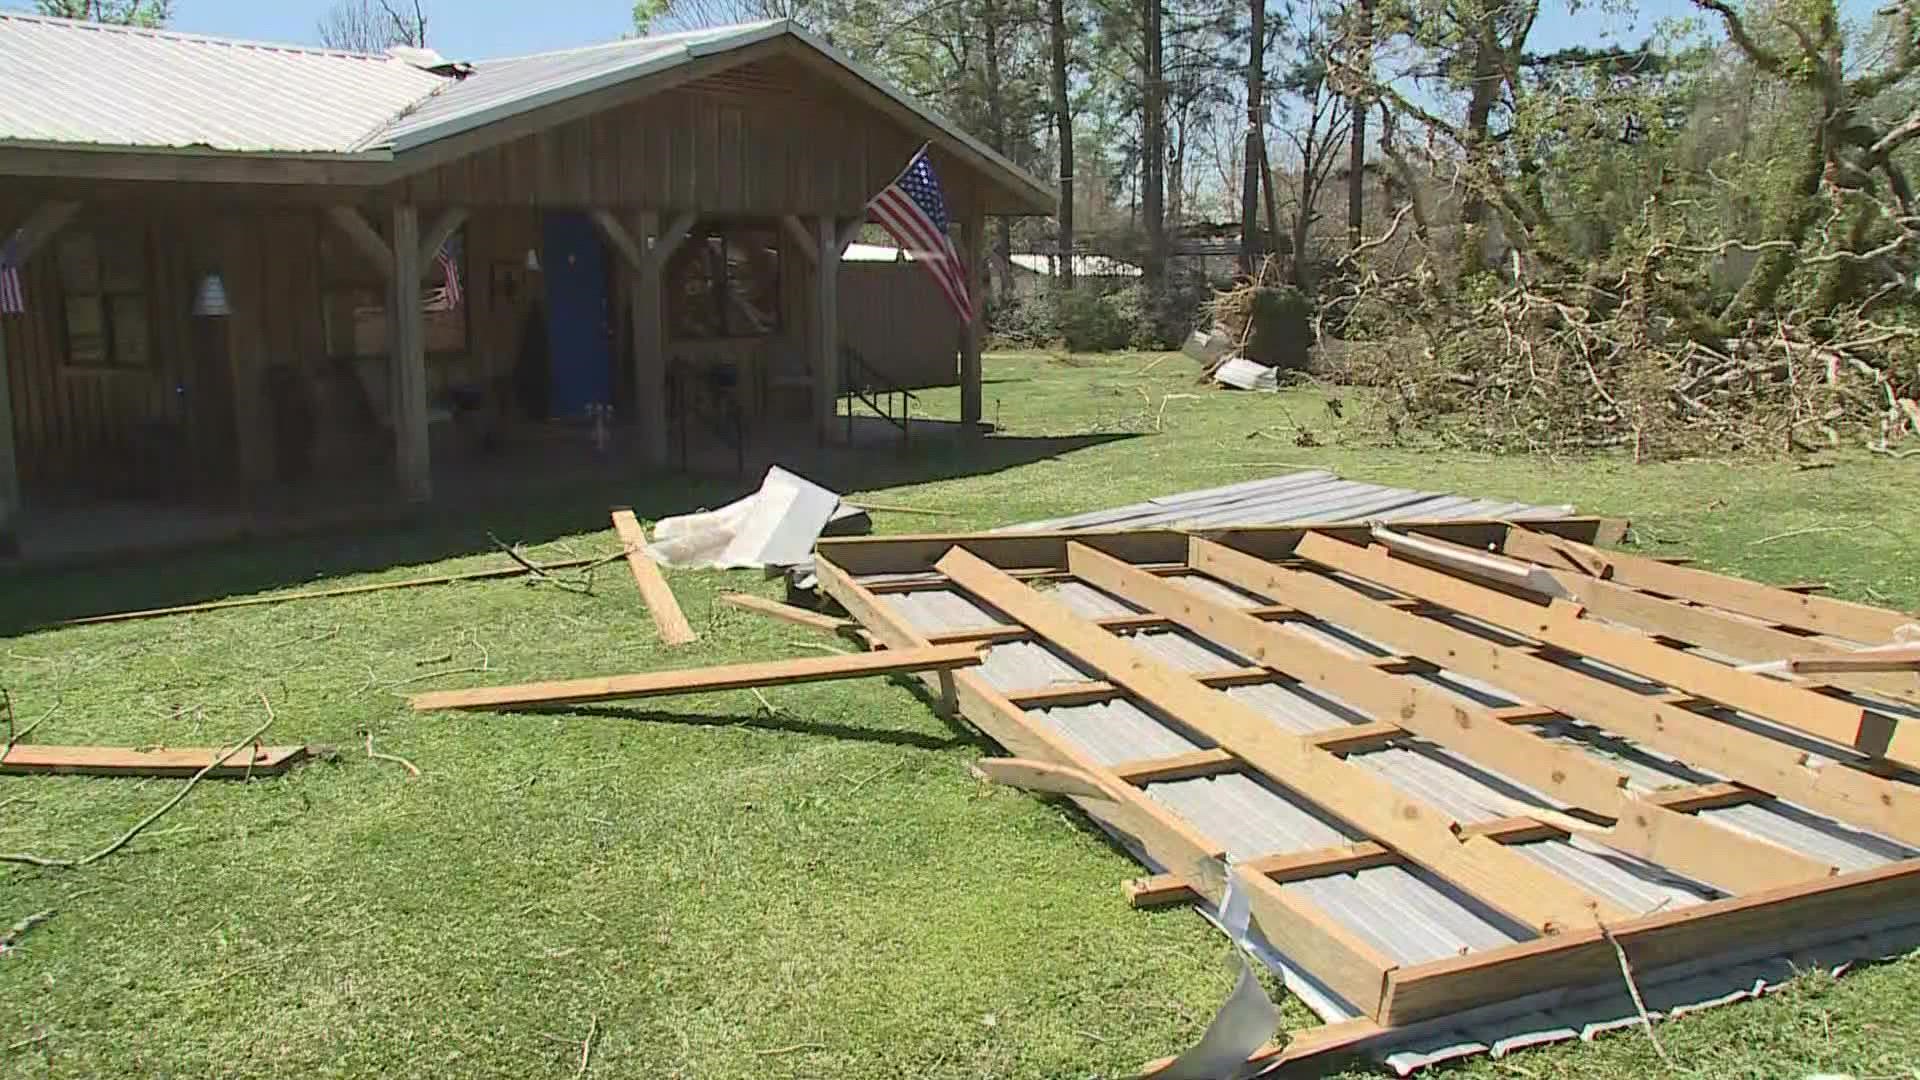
[
  {"x": 83, "y": 25},
  {"x": 644, "y": 39}
]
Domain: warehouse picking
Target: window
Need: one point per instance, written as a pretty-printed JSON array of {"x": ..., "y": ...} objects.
[
  {"x": 103, "y": 284},
  {"x": 725, "y": 283},
  {"x": 354, "y": 300}
]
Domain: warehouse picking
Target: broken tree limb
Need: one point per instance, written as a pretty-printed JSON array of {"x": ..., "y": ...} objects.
[
  {"x": 797, "y": 615},
  {"x": 321, "y": 594},
  {"x": 705, "y": 680},
  {"x": 667, "y": 616}
]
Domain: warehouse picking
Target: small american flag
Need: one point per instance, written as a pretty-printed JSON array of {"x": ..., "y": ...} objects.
[
  {"x": 13, "y": 299},
  {"x": 914, "y": 212},
  {"x": 447, "y": 297}
]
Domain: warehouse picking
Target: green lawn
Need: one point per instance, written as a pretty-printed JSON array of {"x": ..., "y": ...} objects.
[{"x": 715, "y": 890}]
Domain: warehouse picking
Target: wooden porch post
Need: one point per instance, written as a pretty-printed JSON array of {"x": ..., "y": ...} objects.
[
  {"x": 649, "y": 344},
  {"x": 975, "y": 251},
  {"x": 407, "y": 349},
  {"x": 826, "y": 327}
]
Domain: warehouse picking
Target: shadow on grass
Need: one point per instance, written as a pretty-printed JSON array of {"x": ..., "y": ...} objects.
[
  {"x": 525, "y": 502},
  {"x": 783, "y": 722}
]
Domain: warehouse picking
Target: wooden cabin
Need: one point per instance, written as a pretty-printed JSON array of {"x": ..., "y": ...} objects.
[{"x": 243, "y": 265}]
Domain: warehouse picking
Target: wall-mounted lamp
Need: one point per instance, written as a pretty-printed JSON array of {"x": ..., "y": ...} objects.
[
  {"x": 210, "y": 299},
  {"x": 533, "y": 261}
]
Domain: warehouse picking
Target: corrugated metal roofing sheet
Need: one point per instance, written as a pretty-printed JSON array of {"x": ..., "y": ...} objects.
[
  {"x": 1311, "y": 495},
  {"x": 95, "y": 84}
]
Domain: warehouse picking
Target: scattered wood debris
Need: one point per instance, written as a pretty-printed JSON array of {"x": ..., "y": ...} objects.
[
  {"x": 140, "y": 761},
  {"x": 703, "y": 680},
  {"x": 798, "y": 615},
  {"x": 667, "y": 616}
]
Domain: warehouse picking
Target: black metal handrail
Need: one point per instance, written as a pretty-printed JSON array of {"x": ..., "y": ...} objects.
[
  {"x": 859, "y": 382},
  {"x": 710, "y": 395}
]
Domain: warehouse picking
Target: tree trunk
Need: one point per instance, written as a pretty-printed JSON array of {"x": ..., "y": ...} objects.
[
  {"x": 1250, "y": 179},
  {"x": 997, "y": 129},
  {"x": 1797, "y": 216},
  {"x": 1473, "y": 206},
  {"x": 1063, "y": 127},
  {"x": 1357, "y": 138},
  {"x": 1153, "y": 149}
]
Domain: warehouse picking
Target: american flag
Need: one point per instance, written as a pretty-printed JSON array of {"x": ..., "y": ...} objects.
[
  {"x": 447, "y": 297},
  {"x": 914, "y": 212},
  {"x": 13, "y": 299}
]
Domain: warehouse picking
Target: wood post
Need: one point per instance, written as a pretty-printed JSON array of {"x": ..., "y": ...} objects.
[
  {"x": 9, "y": 463},
  {"x": 826, "y": 328},
  {"x": 242, "y": 267},
  {"x": 975, "y": 251},
  {"x": 407, "y": 351},
  {"x": 649, "y": 345}
]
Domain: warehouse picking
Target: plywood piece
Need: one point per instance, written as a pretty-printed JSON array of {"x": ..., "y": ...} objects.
[
  {"x": 702, "y": 680},
  {"x": 799, "y": 616},
  {"x": 1820, "y": 614},
  {"x": 1847, "y": 794},
  {"x": 667, "y": 616},
  {"x": 1502, "y": 880},
  {"x": 133, "y": 761}
]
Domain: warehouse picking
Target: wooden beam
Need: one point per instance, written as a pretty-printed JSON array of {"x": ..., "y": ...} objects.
[
  {"x": 1176, "y": 766},
  {"x": 1586, "y": 956},
  {"x": 1506, "y": 882},
  {"x": 662, "y": 247},
  {"x": 1799, "y": 706},
  {"x": 804, "y": 243},
  {"x": 826, "y": 335},
  {"x": 619, "y": 239},
  {"x": 365, "y": 238},
  {"x": 1347, "y": 965},
  {"x": 1705, "y": 852},
  {"x": 1737, "y": 636},
  {"x": 975, "y": 253},
  {"x": 1086, "y": 693},
  {"x": 797, "y": 615},
  {"x": 437, "y": 234},
  {"x": 1038, "y": 776},
  {"x": 1900, "y": 658},
  {"x": 701, "y": 680},
  {"x": 849, "y": 232},
  {"x": 1820, "y": 614},
  {"x": 160, "y": 761},
  {"x": 668, "y": 619},
  {"x": 321, "y": 594},
  {"x": 42, "y": 225},
  {"x": 1750, "y": 758},
  {"x": 407, "y": 360},
  {"x": 649, "y": 359}
]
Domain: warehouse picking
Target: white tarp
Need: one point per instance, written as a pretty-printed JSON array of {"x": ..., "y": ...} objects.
[{"x": 775, "y": 526}]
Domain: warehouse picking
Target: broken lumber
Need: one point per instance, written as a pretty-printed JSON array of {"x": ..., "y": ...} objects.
[
  {"x": 704, "y": 680},
  {"x": 797, "y": 615},
  {"x": 322, "y": 594},
  {"x": 667, "y": 616},
  {"x": 134, "y": 761}
]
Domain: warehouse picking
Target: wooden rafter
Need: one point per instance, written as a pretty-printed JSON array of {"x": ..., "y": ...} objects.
[{"x": 1848, "y": 794}]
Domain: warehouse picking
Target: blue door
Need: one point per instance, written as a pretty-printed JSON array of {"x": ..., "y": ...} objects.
[{"x": 574, "y": 265}]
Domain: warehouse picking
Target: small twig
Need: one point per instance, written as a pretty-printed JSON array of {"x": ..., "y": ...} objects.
[
  {"x": 19, "y": 929},
  {"x": 443, "y": 658},
  {"x": 789, "y": 1049},
  {"x": 32, "y": 1041},
  {"x": 411, "y": 768},
  {"x": 1803, "y": 532},
  {"x": 536, "y": 570},
  {"x": 28, "y": 730},
  {"x": 127, "y": 837},
  {"x": 1633, "y": 990},
  {"x": 822, "y": 646},
  {"x": 586, "y": 1046},
  {"x": 877, "y": 774},
  {"x": 433, "y": 675}
]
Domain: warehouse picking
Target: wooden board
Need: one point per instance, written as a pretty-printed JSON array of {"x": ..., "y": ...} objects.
[
  {"x": 702, "y": 680},
  {"x": 1503, "y": 881},
  {"x": 1850, "y": 795},
  {"x": 797, "y": 615},
  {"x": 667, "y": 617},
  {"x": 130, "y": 761},
  {"x": 1819, "y": 614}
]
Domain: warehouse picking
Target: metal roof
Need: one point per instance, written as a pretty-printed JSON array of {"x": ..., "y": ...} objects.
[
  {"x": 92, "y": 84},
  {"x": 80, "y": 84},
  {"x": 1311, "y": 495}
]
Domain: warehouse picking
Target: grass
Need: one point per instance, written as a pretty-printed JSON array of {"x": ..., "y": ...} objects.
[{"x": 716, "y": 890}]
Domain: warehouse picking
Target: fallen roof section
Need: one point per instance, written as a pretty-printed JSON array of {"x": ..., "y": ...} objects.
[
  {"x": 1443, "y": 810},
  {"x": 1308, "y": 495}
]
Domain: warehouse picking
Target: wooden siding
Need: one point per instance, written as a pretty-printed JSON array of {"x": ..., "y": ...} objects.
[
  {"x": 900, "y": 323},
  {"x": 765, "y": 139}
]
